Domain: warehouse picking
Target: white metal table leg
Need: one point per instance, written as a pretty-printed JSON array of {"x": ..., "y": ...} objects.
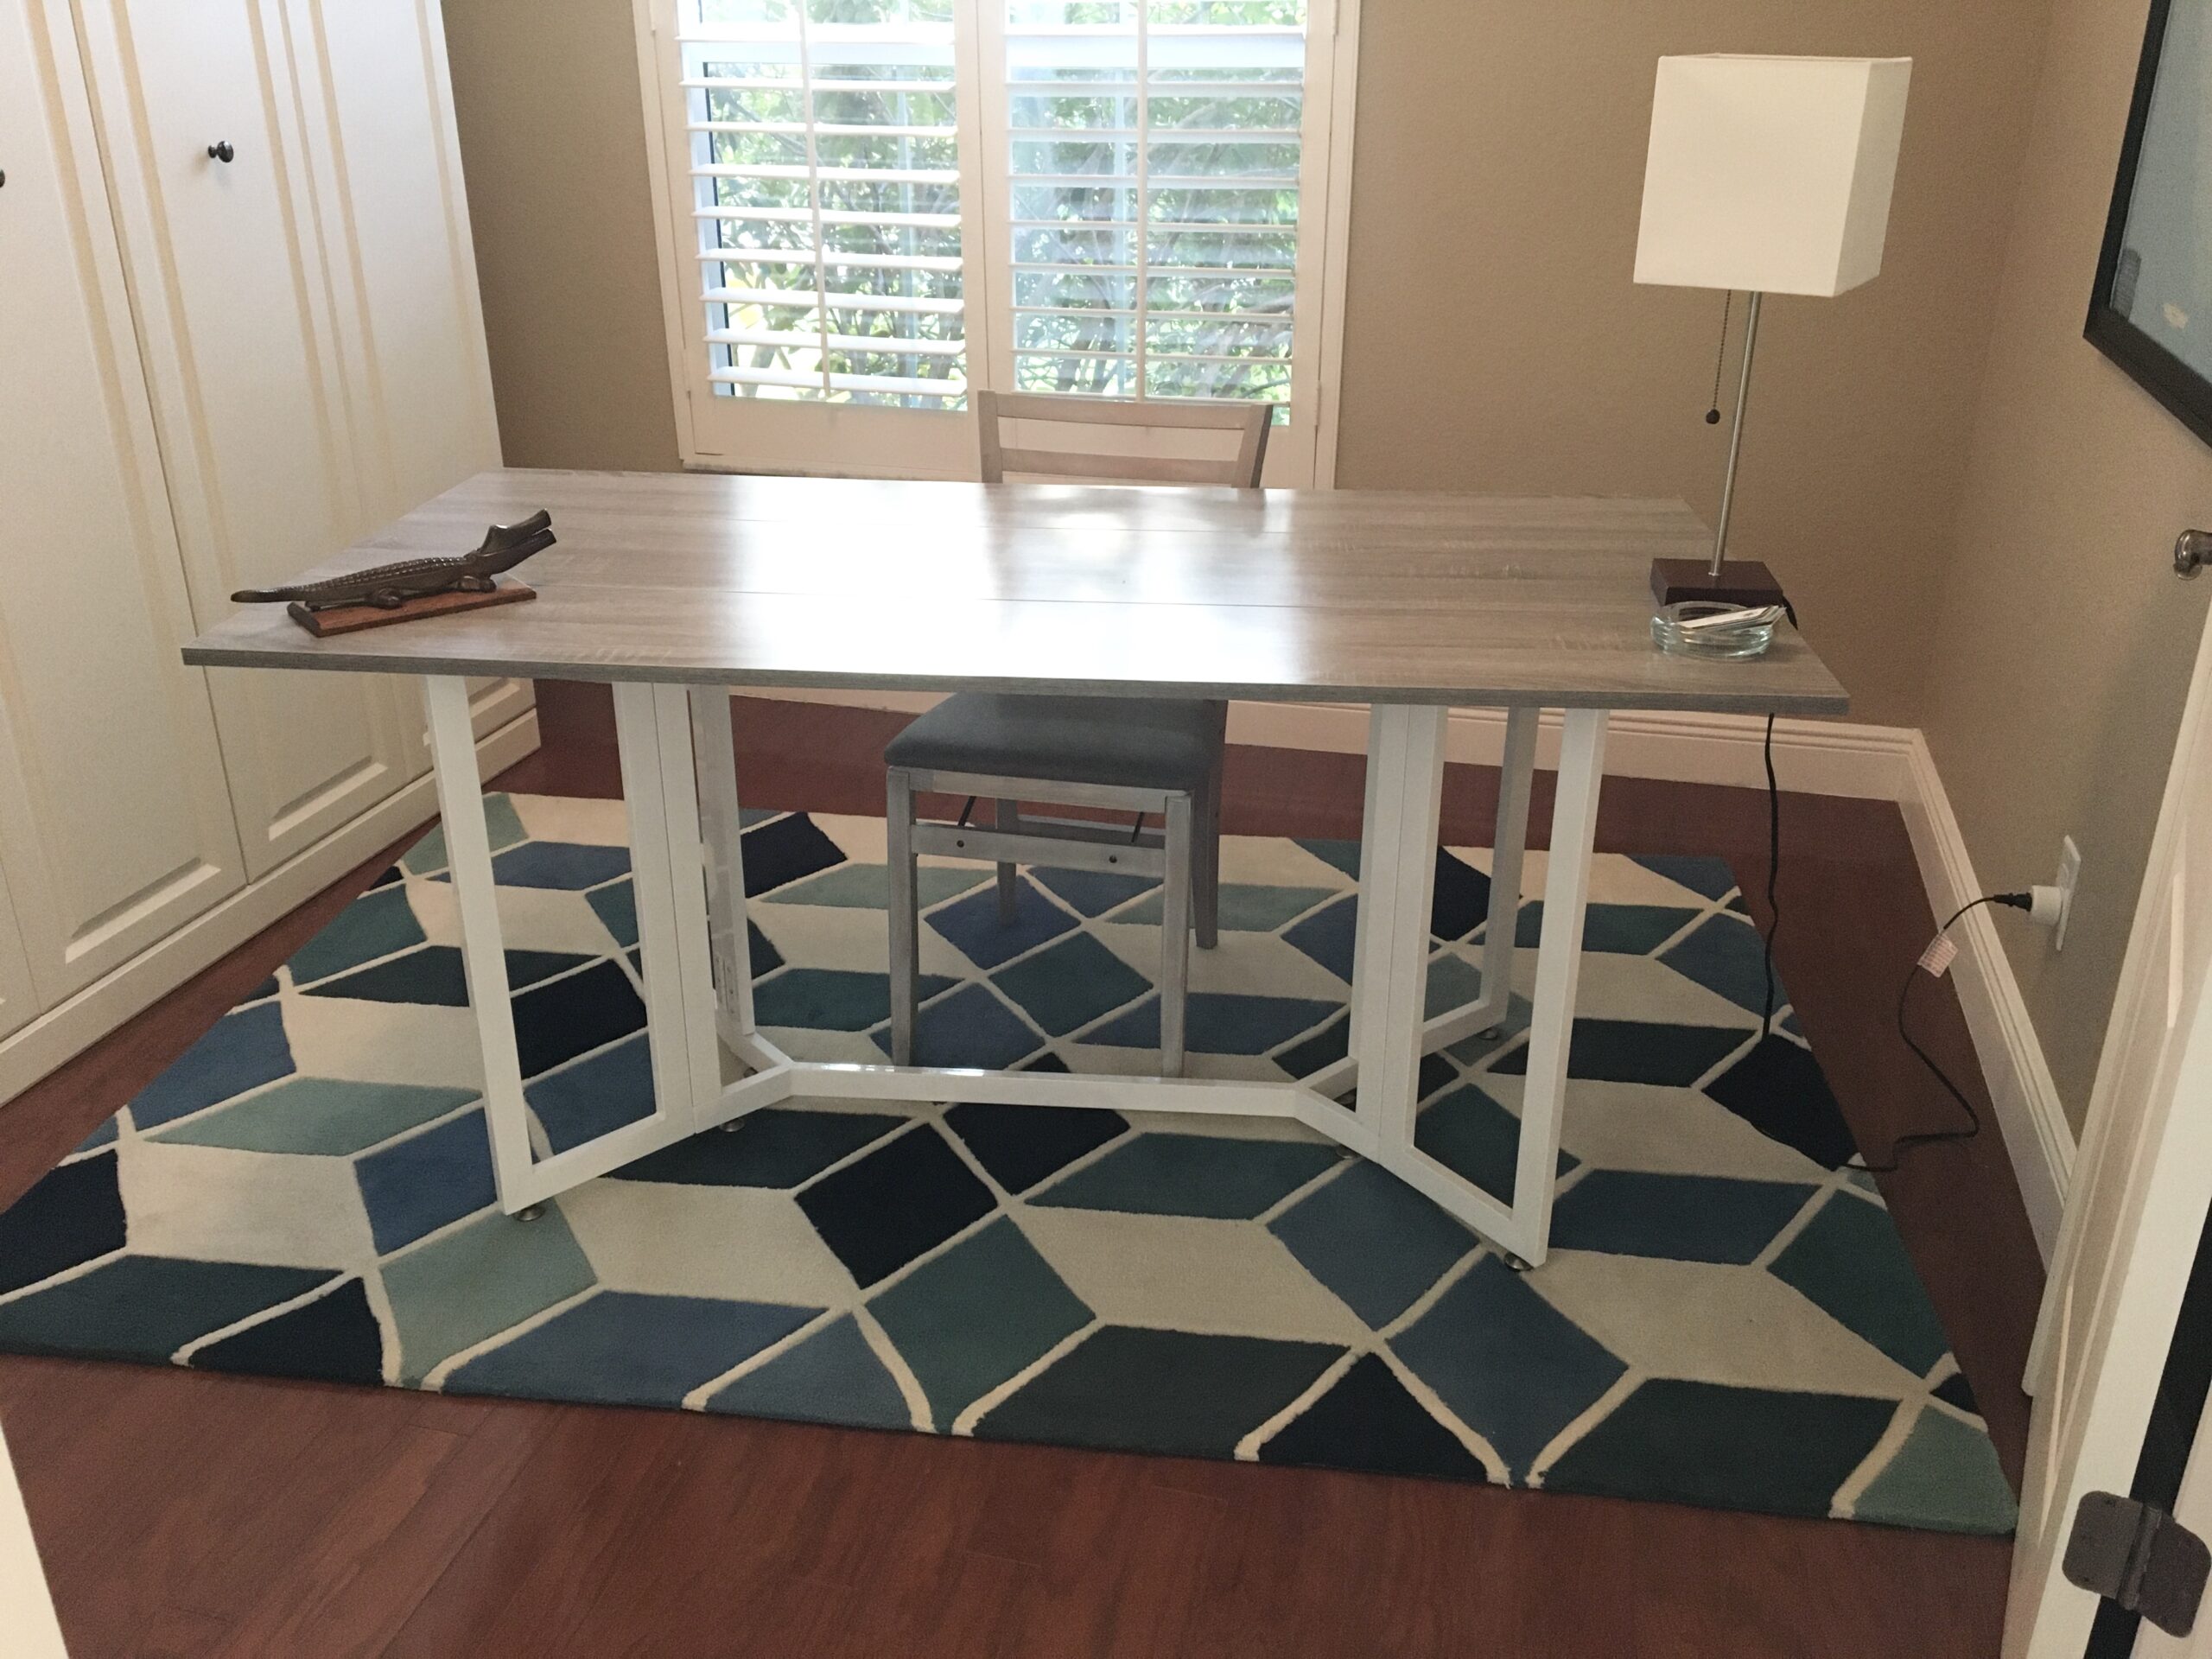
[
  {"x": 1509, "y": 842},
  {"x": 1559, "y": 970},
  {"x": 652, "y": 728},
  {"x": 1390, "y": 957},
  {"x": 1397, "y": 884},
  {"x": 721, "y": 828},
  {"x": 1515, "y": 784},
  {"x": 468, "y": 860}
]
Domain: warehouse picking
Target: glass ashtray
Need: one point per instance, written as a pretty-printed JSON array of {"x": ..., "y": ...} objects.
[{"x": 1683, "y": 629}]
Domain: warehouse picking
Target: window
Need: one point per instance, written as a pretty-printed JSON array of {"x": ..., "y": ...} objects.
[
  {"x": 1152, "y": 150},
  {"x": 870, "y": 204},
  {"x": 825, "y": 192}
]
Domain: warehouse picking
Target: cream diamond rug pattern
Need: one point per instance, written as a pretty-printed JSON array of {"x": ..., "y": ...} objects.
[{"x": 1728, "y": 1317}]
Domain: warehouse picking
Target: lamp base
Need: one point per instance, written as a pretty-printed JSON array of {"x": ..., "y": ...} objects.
[{"x": 1741, "y": 582}]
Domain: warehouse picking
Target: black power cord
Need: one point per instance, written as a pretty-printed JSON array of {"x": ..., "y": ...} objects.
[
  {"x": 1932, "y": 962},
  {"x": 1713, "y": 415}
]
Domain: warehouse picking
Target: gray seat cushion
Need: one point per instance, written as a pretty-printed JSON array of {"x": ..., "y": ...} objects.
[{"x": 1140, "y": 742}]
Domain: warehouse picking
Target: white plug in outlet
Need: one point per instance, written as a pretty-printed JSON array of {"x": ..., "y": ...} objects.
[{"x": 2070, "y": 877}]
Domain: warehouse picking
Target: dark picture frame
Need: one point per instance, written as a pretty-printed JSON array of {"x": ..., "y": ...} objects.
[{"x": 2182, "y": 387}]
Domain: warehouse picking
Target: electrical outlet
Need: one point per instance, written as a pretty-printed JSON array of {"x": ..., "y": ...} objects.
[{"x": 2070, "y": 877}]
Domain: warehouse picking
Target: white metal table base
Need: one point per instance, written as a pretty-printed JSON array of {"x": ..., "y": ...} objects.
[
  {"x": 1508, "y": 844},
  {"x": 680, "y": 785}
]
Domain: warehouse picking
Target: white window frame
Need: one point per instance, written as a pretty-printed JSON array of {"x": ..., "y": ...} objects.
[{"x": 721, "y": 433}]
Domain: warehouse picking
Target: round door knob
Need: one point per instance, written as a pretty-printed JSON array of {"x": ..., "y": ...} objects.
[
  {"x": 221, "y": 151},
  {"x": 2192, "y": 552}
]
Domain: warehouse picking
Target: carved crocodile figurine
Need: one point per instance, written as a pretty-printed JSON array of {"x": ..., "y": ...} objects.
[{"x": 387, "y": 587}]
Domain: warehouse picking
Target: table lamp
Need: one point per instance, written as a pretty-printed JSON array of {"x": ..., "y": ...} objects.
[{"x": 1766, "y": 176}]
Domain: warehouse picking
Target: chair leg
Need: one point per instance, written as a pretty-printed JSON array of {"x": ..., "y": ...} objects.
[
  {"x": 905, "y": 941},
  {"x": 1175, "y": 937},
  {"x": 1207, "y": 853},
  {"x": 1009, "y": 819},
  {"x": 1205, "y": 865}
]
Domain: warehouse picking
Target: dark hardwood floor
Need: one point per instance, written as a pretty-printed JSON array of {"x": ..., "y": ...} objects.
[{"x": 183, "y": 1513}]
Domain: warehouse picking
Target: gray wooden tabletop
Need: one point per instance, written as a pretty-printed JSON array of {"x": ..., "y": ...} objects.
[{"x": 1337, "y": 596}]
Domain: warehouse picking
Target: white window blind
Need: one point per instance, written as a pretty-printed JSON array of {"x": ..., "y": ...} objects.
[
  {"x": 873, "y": 203},
  {"x": 825, "y": 183},
  {"x": 1153, "y": 153}
]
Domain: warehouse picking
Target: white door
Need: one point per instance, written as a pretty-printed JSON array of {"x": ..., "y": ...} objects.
[
  {"x": 2193, "y": 1509},
  {"x": 234, "y": 311},
  {"x": 114, "y": 829},
  {"x": 26, "y": 1607},
  {"x": 395, "y": 223},
  {"x": 2141, "y": 1189}
]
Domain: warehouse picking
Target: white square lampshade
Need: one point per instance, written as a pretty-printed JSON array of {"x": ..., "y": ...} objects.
[{"x": 1770, "y": 175}]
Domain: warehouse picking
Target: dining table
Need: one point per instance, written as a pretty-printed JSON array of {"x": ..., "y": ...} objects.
[{"x": 680, "y": 588}]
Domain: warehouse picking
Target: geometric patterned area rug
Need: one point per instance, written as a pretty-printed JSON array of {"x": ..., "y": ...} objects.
[{"x": 1727, "y": 1317}]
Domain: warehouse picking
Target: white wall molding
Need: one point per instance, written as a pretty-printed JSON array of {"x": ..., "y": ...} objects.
[
  {"x": 1812, "y": 757},
  {"x": 2030, "y": 1114},
  {"x": 76, "y": 1024},
  {"x": 1882, "y": 763}
]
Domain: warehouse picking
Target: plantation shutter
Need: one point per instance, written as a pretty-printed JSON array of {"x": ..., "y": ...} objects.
[
  {"x": 826, "y": 194},
  {"x": 1152, "y": 149},
  {"x": 868, "y": 204}
]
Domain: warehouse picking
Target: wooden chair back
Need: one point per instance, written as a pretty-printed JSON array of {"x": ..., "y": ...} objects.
[{"x": 1242, "y": 471}]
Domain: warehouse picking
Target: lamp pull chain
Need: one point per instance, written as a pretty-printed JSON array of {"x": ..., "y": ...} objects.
[{"x": 1719, "y": 358}]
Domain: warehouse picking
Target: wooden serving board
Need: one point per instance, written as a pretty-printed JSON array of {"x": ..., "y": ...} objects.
[{"x": 352, "y": 619}]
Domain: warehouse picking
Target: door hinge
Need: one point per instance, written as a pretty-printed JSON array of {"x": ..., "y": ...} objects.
[{"x": 2138, "y": 1556}]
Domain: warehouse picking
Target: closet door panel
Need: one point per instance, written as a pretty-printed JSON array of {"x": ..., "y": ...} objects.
[
  {"x": 18, "y": 1001},
  {"x": 234, "y": 308},
  {"x": 388, "y": 172},
  {"x": 114, "y": 827}
]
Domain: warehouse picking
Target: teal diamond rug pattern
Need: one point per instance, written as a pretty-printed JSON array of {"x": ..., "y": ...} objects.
[{"x": 1728, "y": 1317}]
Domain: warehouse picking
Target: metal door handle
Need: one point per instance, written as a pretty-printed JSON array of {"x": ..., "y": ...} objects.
[
  {"x": 220, "y": 151},
  {"x": 2192, "y": 552}
]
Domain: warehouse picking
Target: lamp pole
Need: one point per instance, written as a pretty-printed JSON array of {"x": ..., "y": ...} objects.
[{"x": 1736, "y": 436}]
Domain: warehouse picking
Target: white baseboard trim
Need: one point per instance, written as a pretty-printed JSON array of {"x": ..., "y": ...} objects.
[
  {"x": 2030, "y": 1116},
  {"x": 1883, "y": 763},
  {"x": 1812, "y": 757},
  {"x": 69, "y": 1026}
]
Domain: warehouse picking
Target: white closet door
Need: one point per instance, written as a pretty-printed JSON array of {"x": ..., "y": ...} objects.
[
  {"x": 379, "y": 114},
  {"x": 114, "y": 829},
  {"x": 234, "y": 311}
]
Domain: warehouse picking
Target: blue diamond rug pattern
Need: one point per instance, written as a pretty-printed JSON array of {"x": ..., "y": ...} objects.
[{"x": 1728, "y": 1318}]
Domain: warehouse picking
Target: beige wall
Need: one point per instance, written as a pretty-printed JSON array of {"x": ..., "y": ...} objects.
[
  {"x": 1493, "y": 339},
  {"x": 2064, "y": 641},
  {"x": 553, "y": 149}
]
